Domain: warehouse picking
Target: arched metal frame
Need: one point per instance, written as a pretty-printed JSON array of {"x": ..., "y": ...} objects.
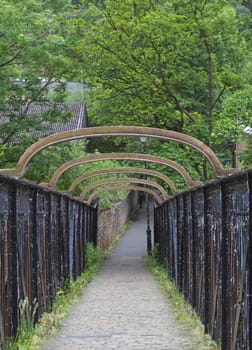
[
  {"x": 121, "y": 156},
  {"x": 126, "y": 181},
  {"x": 106, "y": 171},
  {"x": 118, "y": 131},
  {"x": 124, "y": 187}
]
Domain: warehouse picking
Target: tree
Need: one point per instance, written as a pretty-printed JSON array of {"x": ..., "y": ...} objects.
[
  {"x": 246, "y": 154},
  {"x": 32, "y": 58},
  {"x": 235, "y": 116},
  {"x": 248, "y": 4},
  {"x": 42, "y": 168},
  {"x": 159, "y": 63},
  {"x": 167, "y": 64}
]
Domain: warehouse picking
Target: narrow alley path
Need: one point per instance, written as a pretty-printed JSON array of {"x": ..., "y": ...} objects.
[{"x": 123, "y": 308}]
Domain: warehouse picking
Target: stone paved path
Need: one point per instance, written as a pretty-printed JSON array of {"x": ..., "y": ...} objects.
[{"x": 123, "y": 308}]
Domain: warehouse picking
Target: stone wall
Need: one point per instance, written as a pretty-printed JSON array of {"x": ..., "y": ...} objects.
[{"x": 110, "y": 221}]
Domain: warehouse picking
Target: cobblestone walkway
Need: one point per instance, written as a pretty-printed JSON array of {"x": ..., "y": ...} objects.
[{"x": 123, "y": 308}]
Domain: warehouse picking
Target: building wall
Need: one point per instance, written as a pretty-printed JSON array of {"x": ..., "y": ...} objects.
[{"x": 110, "y": 221}]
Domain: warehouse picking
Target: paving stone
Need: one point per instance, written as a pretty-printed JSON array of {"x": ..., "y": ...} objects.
[{"x": 123, "y": 308}]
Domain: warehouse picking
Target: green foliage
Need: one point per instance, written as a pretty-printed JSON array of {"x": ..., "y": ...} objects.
[
  {"x": 94, "y": 257},
  {"x": 235, "y": 116},
  {"x": 42, "y": 168},
  {"x": 33, "y": 57},
  {"x": 180, "y": 65},
  {"x": 168, "y": 64},
  {"x": 107, "y": 199},
  {"x": 146, "y": 61},
  {"x": 45, "y": 163},
  {"x": 246, "y": 156}
]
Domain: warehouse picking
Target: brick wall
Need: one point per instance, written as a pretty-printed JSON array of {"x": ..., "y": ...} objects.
[{"x": 111, "y": 220}]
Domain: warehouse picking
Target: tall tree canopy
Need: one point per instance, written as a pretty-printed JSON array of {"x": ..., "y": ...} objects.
[
  {"x": 169, "y": 64},
  {"x": 181, "y": 65}
]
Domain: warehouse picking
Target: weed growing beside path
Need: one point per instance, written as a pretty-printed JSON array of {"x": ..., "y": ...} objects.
[
  {"x": 51, "y": 322},
  {"x": 32, "y": 338},
  {"x": 183, "y": 311}
]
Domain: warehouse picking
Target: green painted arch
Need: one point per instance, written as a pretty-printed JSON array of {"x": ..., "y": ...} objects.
[
  {"x": 122, "y": 170},
  {"x": 126, "y": 181},
  {"x": 124, "y": 187},
  {"x": 162, "y": 134},
  {"x": 121, "y": 156}
]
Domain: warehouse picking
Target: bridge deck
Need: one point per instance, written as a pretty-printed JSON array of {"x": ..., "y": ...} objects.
[{"x": 123, "y": 307}]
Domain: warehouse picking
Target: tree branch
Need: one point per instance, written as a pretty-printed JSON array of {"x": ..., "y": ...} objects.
[
  {"x": 166, "y": 88},
  {"x": 10, "y": 60},
  {"x": 219, "y": 96}
]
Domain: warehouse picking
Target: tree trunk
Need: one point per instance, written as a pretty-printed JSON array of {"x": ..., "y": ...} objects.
[
  {"x": 249, "y": 5},
  {"x": 210, "y": 90}
]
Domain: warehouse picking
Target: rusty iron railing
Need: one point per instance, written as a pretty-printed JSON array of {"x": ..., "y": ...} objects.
[
  {"x": 122, "y": 170},
  {"x": 43, "y": 237},
  {"x": 161, "y": 134},
  {"x": 121, "y": 156},
  {"x": 205, "y": 242}
]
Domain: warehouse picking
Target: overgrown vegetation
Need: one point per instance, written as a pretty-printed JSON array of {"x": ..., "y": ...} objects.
[{"x": 183, "y": 311}]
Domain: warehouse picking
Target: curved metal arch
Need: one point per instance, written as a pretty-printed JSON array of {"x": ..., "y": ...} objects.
[
  {"x": 121, "y": 156},
  {"x": 118, "y": 131},
  {"x": 122, "y": 170},
  {"x": 124, "y": 187},
  {"x": 127, "y": 181}
]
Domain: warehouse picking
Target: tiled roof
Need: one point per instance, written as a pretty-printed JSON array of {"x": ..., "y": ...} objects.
[
  {"x": 77, "y": 120},
  {"x": 248, "y": 130}
]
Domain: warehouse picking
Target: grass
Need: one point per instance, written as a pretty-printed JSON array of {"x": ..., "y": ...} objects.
[
  {"x": 184, "y": 312},
  {"x": 25, "y": 330}
]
